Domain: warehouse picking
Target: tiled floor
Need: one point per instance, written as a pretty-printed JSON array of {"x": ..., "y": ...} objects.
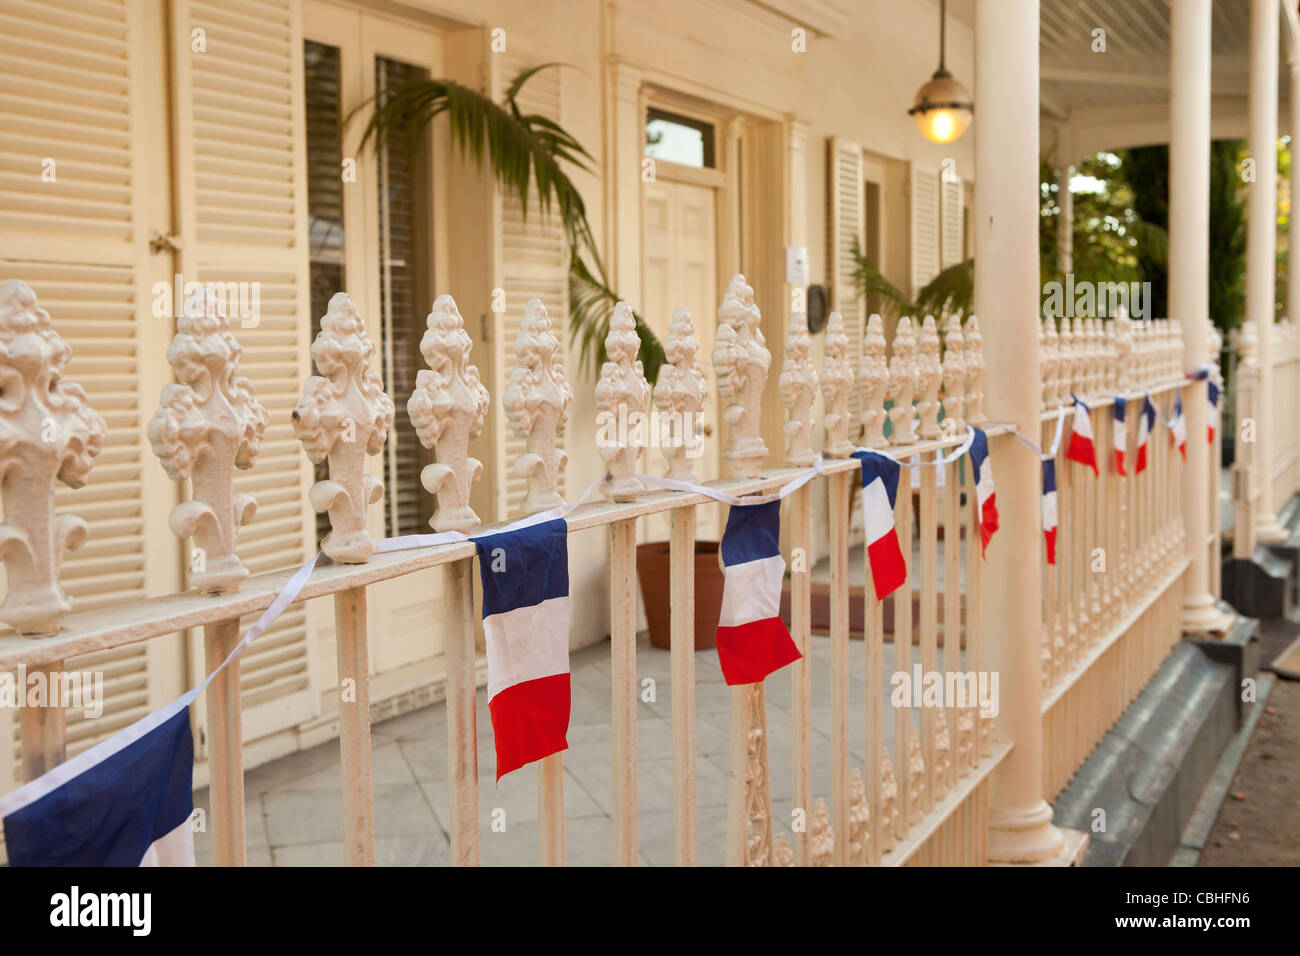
[{"x": 294, "y": 805}]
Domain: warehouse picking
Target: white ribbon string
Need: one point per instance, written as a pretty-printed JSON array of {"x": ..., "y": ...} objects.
[
  {"x": 676, "y": 484},
  {"x": 1056, "y": 440},
  {"x": 947, "y": 459}
]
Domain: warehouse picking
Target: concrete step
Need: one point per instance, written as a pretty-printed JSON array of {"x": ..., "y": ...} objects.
[
  {"x": 1148, "y": 774},
  {"x": 1268, "y": 583}
]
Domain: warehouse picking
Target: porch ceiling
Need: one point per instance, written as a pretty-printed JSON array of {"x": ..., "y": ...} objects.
[{"x": 1121, "y": 97}]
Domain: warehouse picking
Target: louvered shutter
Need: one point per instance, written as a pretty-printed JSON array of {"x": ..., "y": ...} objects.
[
  {"x": 241, "y": 170},
  {"x": 535, "y": 264},
  {"x": 951, "y": 208},
  {"x": 844, "y": 226},
  {"x": 925, "y": 226},
  {"x": 73, "y": 90}
]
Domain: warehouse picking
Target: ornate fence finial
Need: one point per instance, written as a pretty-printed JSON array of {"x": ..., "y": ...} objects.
[
  {"x": 622, "y": 399},
  {"x": 1052, "y": 367},
  {"x": 837, "y": 386},
  {"x": 206, "y": 426},
  {"x": 942, "y": 758},
  {"x": 781, "y": 853},
  {"x": 537, "y": 407},
  {"x": 859, "y": 818},
  {"x": 679, "y": 395},
  {"x": 902, "y": 383},
  {"x": 1248, "y": 342},
  {"x": 344, "y": 415},
  {"x": 888, "y": 801},
  {"x": 1216, "y": 354},
  {"x": 954, "y": 374},
  {"x": 821, "y": 838},
  {"x": 447, "y": 409},
  {"x": 874, "y": 379},
  {"x": 50, "y": 433},
  {"x": 915, "y": 771},
  {"x": 740, "y": 362},
  {"x": 928, "y": 374},
  {"x": 974, "y": 373},
  {"x": 1097, "y": 347},
  {"x": 1123, "y": 351},
  {"x": 798, "y": 382},
  {"x": 1109, "y": 354},
  {"x": 1092, "y": 347},
  {"x": 1065, "y": 377},
  {"x": 1083, "y": 345},
  {"x": 1046, "y": 362}
]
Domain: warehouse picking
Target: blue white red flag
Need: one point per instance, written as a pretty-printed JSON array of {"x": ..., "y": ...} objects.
[
  {"x": 125, "y": 802},
  {"x": 1119, "y": 433},
  {"x": 1049, "y": 508},
  {"x": 1178, "y": 427},
  {"x": 879, "y": 493},
  {"x": 1082, "y": 448},
  {"x": 525, "y": 575},
  {"x": 1145, "y": 424},
  {"x": 985, "y": 493},
  {"x": 1214, "y": 409},
  {"x": 752, "y": 640}
]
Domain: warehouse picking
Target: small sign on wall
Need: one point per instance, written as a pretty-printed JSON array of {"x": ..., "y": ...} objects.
[{"x": 796, "y": 265}]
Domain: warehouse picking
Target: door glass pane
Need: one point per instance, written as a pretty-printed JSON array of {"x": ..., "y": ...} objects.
[
  {"x": 321, "y": 64},
  {"x": 405, "y": 272},
  {"x": 679, "y": 139}
]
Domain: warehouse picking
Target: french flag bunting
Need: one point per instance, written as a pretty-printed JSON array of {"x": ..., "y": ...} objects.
[
  {"x": 1049, "y": 507},
  {"x": 1178, "y": 427},
  {"x": 1214, "y": 408},
  {"x": 985, "y": 493},
  {"x": 1119, "y": 431},
  {"x": 126, "y": 802},
  {"x": 1082, "y": 448},
  {"x": 752, "y": 640},
  {"x": 525, "y": 575},
  {"x": 879, "y": 493},
  {"x": 1145, "y": 424}
]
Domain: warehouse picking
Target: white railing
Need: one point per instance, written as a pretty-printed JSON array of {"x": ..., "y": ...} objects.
[
  {"x": 1112, "y": 600},
  {"x": 922, "y": 795}
]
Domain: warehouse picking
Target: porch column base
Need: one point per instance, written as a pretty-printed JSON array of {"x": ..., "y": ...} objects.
[
  {"x": 1028, "y": 838},
  {"x": 1201, "y": 616},
  {"x": 1268, "y": 531}
]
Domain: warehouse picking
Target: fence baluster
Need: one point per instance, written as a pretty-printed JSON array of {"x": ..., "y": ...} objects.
[
  {"x": 838, "y": 495},
  {"x": 344, "y": 415},
  {"x": 205, "y": 357}
]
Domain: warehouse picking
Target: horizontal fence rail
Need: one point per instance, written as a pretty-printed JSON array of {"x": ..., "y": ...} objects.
[{"x": 916, "y": 789}]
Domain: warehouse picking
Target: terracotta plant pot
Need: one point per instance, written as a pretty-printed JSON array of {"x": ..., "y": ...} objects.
[{"x": 652, "y": 569}]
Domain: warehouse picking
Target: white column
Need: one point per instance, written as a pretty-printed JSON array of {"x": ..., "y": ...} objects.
[
  {"x": 1007, "y": 292},
  {"x": 1261, "y": 242},
  {"x": 1065, "y": 223},
  {"x": 1189, "y": 282}
]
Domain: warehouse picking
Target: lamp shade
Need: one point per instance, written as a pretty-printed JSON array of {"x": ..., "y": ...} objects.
[{"x": 943, "y": 108}]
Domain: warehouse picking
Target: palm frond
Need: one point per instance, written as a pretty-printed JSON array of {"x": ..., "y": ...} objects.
[
  {"x": 523, "y": 151},
  {"x": 591, "y": 304},
  {"x": 871, "y": 283},
  {"x": 951, "y": 292}
]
